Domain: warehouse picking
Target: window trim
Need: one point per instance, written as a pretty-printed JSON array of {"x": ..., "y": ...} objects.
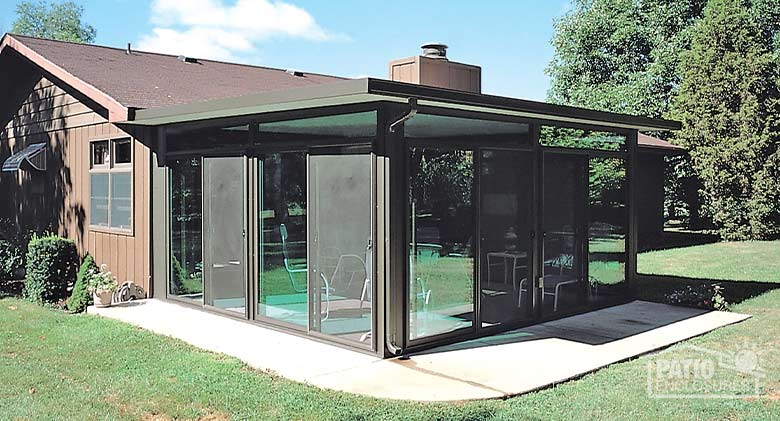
[{"x": 112, "y": 168}]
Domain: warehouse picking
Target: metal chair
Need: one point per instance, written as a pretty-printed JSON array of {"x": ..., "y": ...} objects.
[{"x": 291, "y": 268}]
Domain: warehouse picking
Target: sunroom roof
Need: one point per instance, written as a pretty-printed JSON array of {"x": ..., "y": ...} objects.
[{"x": 374, "y": 90}]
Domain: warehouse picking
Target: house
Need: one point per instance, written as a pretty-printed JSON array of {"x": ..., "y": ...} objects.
[{"x": 387, "y": 216}]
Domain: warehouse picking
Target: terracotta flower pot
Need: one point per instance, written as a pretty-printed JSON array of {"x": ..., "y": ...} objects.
[{"x": 102, "y": 299}]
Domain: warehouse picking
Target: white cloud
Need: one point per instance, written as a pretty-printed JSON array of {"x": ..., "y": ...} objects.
[{"x": 213, "y": 29}]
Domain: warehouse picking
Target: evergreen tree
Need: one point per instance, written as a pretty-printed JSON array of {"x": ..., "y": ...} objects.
[{"x": 729, "y": 104}]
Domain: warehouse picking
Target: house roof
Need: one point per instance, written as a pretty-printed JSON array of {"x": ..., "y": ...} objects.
[
  {"x": 150, "y": 80},
  {"x": 155, "y": 89},
  {"x": 648, "y": 142}
]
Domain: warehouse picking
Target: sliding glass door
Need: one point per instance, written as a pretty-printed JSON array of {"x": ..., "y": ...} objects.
[
  {"x": 341, "y": 245},
  {"x": 224, "y": 233},
  {"x": 563, "y": 285},
  {"x": 282, "y": 238},
  {"x": 505, "y": 226}
]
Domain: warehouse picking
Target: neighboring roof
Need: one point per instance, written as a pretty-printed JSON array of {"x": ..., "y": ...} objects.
[
  {"x": 372, "y": 90},
  {"x": 649, "y": 142},
  {"x": 150, "y": 80}
]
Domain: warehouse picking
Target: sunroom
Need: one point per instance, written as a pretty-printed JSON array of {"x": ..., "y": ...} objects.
[{"x": 390, "y": 217}]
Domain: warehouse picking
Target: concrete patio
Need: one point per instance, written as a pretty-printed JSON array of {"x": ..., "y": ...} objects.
[{"x": 499, "y": 366}]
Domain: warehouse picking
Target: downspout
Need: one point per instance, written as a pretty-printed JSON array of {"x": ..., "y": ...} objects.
[
  {"x": 390, "y": 336},
  {"x": 412, "y": 112}
]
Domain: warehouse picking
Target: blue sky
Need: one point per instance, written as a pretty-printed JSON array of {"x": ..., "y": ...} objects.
[{"x": 509, "y": 39}]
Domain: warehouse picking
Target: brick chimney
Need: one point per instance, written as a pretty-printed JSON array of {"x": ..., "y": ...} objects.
[{"x": 432, "y": 68}]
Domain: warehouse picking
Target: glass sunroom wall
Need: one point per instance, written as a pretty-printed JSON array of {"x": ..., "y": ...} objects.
[
  {"x": 443, "y": 209},
  {"x": 206, "y": 207},
  {"x": 603, "y": 272},
  {"x": 316, "y": 225}
]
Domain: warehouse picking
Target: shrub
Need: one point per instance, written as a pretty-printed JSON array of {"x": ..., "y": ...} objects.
[
  {"x": 11, "y": 259},
  {"x": 706, "y": 296},
  {"x": 80, "y": 297},
  {"x": 52, "y": 262}
]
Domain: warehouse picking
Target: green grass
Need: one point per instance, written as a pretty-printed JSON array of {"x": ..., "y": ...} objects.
[
  {"x": 728, "y": 261},
  {"x": 85, "y": 367}
]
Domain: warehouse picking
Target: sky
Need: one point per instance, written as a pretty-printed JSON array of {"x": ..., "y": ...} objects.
[{"x": 509, "y": 39}]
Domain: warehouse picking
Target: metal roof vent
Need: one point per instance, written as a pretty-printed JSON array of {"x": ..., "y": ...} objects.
[
  {"x": 435, "y": 50},
  {"x": 295, "y": 73},
  {"x": 185, "y": 59}
]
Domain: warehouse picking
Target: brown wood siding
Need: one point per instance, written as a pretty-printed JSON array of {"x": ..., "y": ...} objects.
[{"x": 54, "y": 114}]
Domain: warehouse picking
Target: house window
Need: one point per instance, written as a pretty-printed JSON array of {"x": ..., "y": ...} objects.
[{"x": 111, "y": 184}]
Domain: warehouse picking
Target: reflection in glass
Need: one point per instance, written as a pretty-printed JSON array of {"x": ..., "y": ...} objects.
[
  {"x": 505, "y": 232},
  {"x": 563, "y": 225},
  {"x": 564, "y": 137},
  {"x": 282, "y": 238},
  {"x": 186, "y": 277},
  {"x": 441, "y": 269},
  {"x": 341, "y": 245},
  {"x": 607, "y": 227}
]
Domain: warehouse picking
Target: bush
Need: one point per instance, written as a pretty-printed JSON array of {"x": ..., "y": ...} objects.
[
  {"x": 11, "y": 259},
  {"x": 706, "y": 296},
  {"x": 52, "y": 262},
  {"x": 80, "y": 297}
]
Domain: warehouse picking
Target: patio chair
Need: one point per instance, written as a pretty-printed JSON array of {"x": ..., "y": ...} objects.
[
  {"x": 552, "y": 287},
  {"x": 291, "y": 268},
  {"x": 365, "y": 295}
]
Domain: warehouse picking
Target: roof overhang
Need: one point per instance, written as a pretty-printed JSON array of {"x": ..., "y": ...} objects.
[
  {"x": 116, "y": 111},
  {"x": 373, "y": 90}
]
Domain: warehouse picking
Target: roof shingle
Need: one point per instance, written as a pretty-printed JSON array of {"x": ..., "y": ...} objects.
[{"x": 151, "y": 80}]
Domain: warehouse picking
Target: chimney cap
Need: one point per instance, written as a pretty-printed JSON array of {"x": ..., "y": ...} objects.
[{"x": 435, "y": 50}]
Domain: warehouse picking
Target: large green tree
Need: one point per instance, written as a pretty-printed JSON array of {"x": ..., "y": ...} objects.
[
  {"x": 620, "y": 55},
  {"x": 729, "y": 103},
  {"x": 53, "y": 20}
]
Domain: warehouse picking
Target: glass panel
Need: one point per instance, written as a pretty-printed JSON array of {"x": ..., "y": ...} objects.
[
  {"x": 186, "y": 219},
  {"x": 441, "y": 260},
  {"x": 98, "y": 199},
  {"x": 341, "y": 245},
  {"x": 607, "y": 217},
  {"x": 564, "y": 202},
  {"x": 506, "y": 221},
  {"x": 426, "y": 126},
  {"x": 282, "y": 238},
  {"x": 121, "y": 200},
  {"x": 352, "y": 126},
  {"x": 564, "y": 137},
  {"x": 99, "y": 153},
  {"x": 234, "y": 138},
  {"x": 223, "y": 238},
  {"x": 122, "y": 151}
]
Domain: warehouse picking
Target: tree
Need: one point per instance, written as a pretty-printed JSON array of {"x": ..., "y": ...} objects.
[
  {"x": 620, "y": 55},
  {"x": 59, "y": 21},
  {"x": 729, "y": 103}
]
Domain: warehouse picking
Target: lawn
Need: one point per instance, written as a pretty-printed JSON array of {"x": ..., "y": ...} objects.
[
  {"x": 59, "y": 366},
  {"x": 728, "y": 261}
]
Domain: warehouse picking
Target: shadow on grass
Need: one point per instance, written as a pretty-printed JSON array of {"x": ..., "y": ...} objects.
[
  {"x": 11, "y": 288},
  {"x": 656, "y": 287},
  {"x": 678, "y": 239}
]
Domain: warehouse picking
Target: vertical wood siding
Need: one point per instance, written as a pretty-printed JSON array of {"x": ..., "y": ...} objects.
[{"x": 50, "y": 113}]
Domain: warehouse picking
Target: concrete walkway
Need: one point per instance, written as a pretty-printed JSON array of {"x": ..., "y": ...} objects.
[{"x": 498, "y": 366}]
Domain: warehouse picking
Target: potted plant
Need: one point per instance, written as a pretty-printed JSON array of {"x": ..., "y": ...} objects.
[{"x": 102, "y": 286}]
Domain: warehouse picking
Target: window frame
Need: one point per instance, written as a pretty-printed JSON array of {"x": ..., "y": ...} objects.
[{"x": 110, "y": 168}]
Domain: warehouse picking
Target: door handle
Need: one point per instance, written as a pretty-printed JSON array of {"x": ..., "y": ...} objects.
[
  {"x": 235, "y": 262},
  {"x": 217, "y": 266}
]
